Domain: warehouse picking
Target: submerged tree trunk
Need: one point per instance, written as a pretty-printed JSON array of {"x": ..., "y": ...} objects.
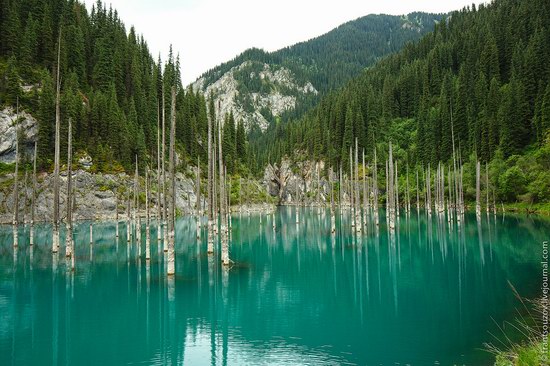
[
  {"x": 198, "y": 202},
  {"x": 225, "y": 244},
  {"x": 417, "y": 194},
  {"x": 147, "y": 219},
  {"x": 487, "y": 185},
  {"x": 478, "y": 203},
  {"x": 391, "y": 193},
  {"x": 332, "y": 218},
  {"x": 137, "y": 219},
  {"x": 375, "y": 189},
  {"x": 55, "y": 242},
  {"x": 164, "y": 198},
  {"x": 357, "y": 192},
  {"x": 33, "y": 197},
  {"x": 16, "y": 182},
  {"x": 159, "y": 206},
  {"x": 69, "y": 219},
  {"x": 171, "y": 254},
  {"x": 210, "y": 247}
]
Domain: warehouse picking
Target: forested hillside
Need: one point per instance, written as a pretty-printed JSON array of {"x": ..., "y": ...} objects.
[
  {"x": 111, "y": 86},
  {"x": 482, "y": 74},
  {"x": 309, "y": 69}
]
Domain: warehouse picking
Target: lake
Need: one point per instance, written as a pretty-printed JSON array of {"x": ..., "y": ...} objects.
[{"x": 430, "y": 293}]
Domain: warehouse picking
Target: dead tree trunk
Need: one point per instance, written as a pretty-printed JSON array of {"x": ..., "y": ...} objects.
[
  {"x": 137, "y": 220},
  {"x": 332, "y": 218},
  {"x": 357, "y": 191},
  {"x": 225, "y": 244},
  {"x": 198, "y": 196},
  {"x": 487, "y": 185},
  {"x": 375, "y": 189},
  {"x": 16, "y": 180},
  {"x": 147, "y": 219},
  {"x": 171, "y": 254},
  {"x": 391, "y": 193},
  {"x": 417, "y": 194},
  {"x": 69, "y": 219},
  {"x": 210, "y": 248},
  {"x": 55, "y": 242},
  {"x": 478, "y": 193},
  {"x": 159, "y": 167},
  {"x": 163, "y": 161},
  {"x": 33, "y": 197}
]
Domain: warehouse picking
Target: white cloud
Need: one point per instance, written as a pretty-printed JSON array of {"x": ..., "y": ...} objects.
[{"x": 208, "y": 32}]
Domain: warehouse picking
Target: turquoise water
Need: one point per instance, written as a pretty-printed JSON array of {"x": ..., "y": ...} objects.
[{"x": 431, "y": 294}]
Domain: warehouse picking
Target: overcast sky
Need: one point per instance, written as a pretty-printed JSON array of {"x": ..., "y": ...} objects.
[{"x": 206, "y": 33}]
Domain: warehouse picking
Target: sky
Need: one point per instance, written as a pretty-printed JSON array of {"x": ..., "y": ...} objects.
[{"x": 206, "y": 33}]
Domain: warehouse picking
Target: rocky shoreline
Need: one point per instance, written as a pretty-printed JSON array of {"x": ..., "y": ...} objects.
[{"x": 98, "y": 196}]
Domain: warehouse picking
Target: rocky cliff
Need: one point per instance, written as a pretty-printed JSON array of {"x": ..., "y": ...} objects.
[
  {"x": 255, "y": 92},
  {"x": 28, "y": 130},
  {"x": 297, "y": 183}
]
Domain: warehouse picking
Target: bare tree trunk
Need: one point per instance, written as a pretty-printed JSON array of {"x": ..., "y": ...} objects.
[
  {"x": 171, "y": 225},
  {"x": 159, "y": 167},
  {"x": 417, "y": 194},
  {"x": 16, "y": 182},
  {"x": 332, "y": 218},
  {"x": 128, "y": 220},
  {"x": 340, "y": 191},
  {"x": 365, "y": 193},
  {"x": 210, "y": 248},
  {"x": 351, "y": 193},
  {"x": 396, "y": 192},
  {"x": 296, "y": 191},
  {"x": 116, "y": 215},
  {"x": 225, "y": 244},
  {"x": 33, "y": 197},
  {"x": 147, "y": 219},
  {"x": 69, "y": 219},
  {"x": 478, "y": 203},
  {"x": 163, "y": 161},
  {"x": 428, "y": 192},
  {"x": 55, "y": 242},
  {"x": 318, "y": 188},
  {"x": 391, "y": 193},
  {"x": 25, "y": 197},
  {"x": 375, "y": 189},
  {"x": 198, "y": 196},
  {"x": 357, "y": 192},
  {"x": 487, "y": 185},
  {"x": 137, "y": 220},
  {"x": 450, "y": 200}
]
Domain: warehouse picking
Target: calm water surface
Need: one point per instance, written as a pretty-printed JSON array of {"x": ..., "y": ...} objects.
[{"x": 430, "y": 294}]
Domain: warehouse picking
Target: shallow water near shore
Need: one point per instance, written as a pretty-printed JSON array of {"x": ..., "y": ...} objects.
[{"x": 432, "y": 293}]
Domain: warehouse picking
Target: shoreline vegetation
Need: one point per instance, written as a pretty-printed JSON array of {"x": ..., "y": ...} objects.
[{"x": 532, "y": 350}]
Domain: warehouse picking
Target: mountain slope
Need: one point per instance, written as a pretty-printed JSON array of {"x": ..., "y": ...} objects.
[
  {"x": 259, "y": 86},
  {"x": 480, "y": 81}
]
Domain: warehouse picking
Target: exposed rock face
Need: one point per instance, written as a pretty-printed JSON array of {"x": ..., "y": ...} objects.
[
  {"x": 28, "y": 126},
  {"x": 98, "y": 195},
  {"x": 95, "y": 198},
  {"x": 278, "y": 93},
  {"x": 296, "y": 184}
]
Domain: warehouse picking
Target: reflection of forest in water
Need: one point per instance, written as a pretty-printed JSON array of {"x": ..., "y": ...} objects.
[{"x": 294, "y": 292}]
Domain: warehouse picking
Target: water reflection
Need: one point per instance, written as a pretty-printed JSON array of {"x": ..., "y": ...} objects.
[{"x": 296, "y": 293}]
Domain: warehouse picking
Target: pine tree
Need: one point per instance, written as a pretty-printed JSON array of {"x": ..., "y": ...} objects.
[{"x": 241, "y": 143}]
